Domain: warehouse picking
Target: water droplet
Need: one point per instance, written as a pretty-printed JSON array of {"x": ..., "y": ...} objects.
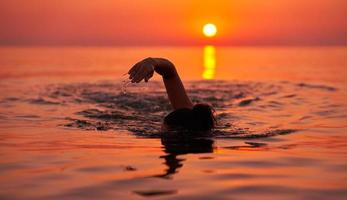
[{"x": 124, "y": 86}]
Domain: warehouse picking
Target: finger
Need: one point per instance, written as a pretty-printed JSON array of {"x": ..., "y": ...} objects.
[
  {"x": 137, "y": 75},
  {"x": 146, "y": 73},
  {"x": 140, "y": 74},
  {"x": 140, "y": 77},
  {"x": 149, "y": 76},
  {"x": 134, "y": 70},
  {"x": 146, "y": 79},
  {"x": 150, "y": 73},
  {"x": 131, "y": 69},
  {"x": 139, "y": 80}
]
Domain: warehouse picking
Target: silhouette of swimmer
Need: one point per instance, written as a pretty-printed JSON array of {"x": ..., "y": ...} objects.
[{"x": 186, "y": 116}]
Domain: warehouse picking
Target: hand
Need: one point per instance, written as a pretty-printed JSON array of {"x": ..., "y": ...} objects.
[{"x": 142, "y": 70}]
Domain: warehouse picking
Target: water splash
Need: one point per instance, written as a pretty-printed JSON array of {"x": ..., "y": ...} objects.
[{"x": 125, "y": 83}]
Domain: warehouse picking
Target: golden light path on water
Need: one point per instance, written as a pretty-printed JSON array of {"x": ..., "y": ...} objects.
[{"x": 209, "y": 62}]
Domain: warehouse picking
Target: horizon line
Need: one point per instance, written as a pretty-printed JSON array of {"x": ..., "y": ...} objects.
[{"x": 170, "y": 45}]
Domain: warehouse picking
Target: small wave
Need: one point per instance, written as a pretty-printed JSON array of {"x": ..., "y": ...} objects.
[
  {"x": 147, "y": 193},
  {"x": 42, "y": 101},
  {"x": 257, "y": 135},
  {"x": 247, "y": 101},
  {"x": 321, "y": 87}
]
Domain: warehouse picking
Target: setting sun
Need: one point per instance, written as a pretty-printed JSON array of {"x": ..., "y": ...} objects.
[{"x": 209, "y": 30}]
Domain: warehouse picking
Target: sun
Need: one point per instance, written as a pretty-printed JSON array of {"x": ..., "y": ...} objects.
[{"x": 209, "y": 30}]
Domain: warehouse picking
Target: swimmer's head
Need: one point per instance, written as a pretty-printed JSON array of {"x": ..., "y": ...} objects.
[{"x": 199, "y": 118}]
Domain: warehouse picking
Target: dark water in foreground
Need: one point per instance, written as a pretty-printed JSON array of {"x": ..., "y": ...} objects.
[{"x": 87, "y": 139}]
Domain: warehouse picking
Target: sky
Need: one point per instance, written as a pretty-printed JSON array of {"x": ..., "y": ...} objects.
[{"x": 172, "y": 22}]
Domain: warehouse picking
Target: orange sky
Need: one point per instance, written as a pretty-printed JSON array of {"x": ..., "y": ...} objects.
[{"x": 177, "y": 22}]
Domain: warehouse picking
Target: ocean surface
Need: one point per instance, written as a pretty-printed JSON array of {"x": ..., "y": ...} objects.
[{"x": 71, "y": 128}]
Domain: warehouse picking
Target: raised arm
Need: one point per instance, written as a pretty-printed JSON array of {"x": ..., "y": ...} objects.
[{"x": 173, "y": 84}]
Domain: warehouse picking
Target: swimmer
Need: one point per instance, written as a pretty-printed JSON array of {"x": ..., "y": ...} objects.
[{"x": 185, "y": 114}]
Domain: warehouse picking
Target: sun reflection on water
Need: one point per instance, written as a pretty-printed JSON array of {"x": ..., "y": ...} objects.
[{"x": 209, "y": 62}]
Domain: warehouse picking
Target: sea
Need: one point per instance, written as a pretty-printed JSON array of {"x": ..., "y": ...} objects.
[{"x": 73, "y": 127}]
